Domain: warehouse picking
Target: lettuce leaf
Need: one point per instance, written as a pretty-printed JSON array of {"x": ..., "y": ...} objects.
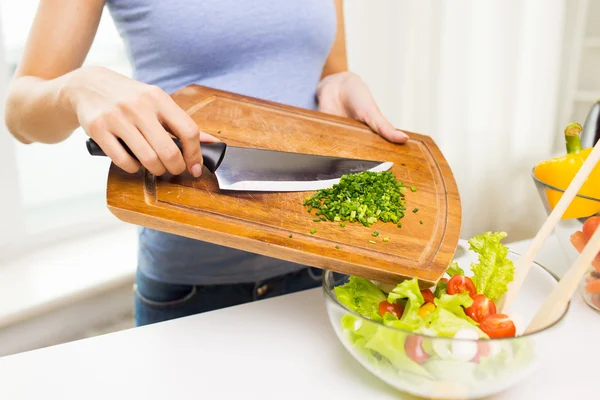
[
  {"x": 494, "y": 271},
  {"x": 454, "y": 269},
  {"x": 380, "y": 346},
  {"x": 459, "y": 373},
  {"x": 409, "y": 289},
  {"x": 361, "y": 295},
  {"x": 440, "y": 289},
  {"x": 455, "y": 303},
  {"x": 390, "y": 344},
  {"x": 449, "y": 316},
  {"x": 444, "y": 323},
  {"x": 357, "y": 333}
]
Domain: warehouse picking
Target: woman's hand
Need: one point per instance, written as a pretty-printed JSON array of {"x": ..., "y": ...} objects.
[
  {"x": 111, "y": 106},
  {"x": 345, "y": 94}
]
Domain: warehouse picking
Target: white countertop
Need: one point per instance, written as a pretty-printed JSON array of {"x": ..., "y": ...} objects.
[{"x": 282, "y": 347}]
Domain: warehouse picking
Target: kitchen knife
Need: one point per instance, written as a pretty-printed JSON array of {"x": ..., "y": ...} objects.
[{"x": 249, "y": 169}]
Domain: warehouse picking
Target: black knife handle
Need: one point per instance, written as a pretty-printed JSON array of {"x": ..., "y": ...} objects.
[{"x": 212, "y": 153}]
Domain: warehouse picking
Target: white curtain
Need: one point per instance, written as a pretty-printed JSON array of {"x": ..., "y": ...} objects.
[{"x": 481, "y": 78}]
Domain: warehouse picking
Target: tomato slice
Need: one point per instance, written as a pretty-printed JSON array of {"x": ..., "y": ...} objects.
[
  {"x": 498, "y": 326},
  {"x": 414, "y": 349},
  {"x": 589, "y": 226},
  {"x": 427, "y": 295},
  {"x": 459, "y": 283},
  {"x": 392, "y": 308},
  {"x": 481, "y": 308}
]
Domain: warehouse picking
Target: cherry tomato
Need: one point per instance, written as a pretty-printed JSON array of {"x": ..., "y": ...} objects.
[
  {"x": 427, "y": 295},
  {"x": 481, "y": 308},
  {"x": 459, "y": 283},
  {"x": 590, "y": 225},
  {"x": 483, "y": 349},
  {"x": 414, "y": 350},
  {"x": 498, "y": 326},
  {"x": 395, "y": 309}
]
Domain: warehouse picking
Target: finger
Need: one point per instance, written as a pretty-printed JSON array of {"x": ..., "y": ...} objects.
[
  {"x": 208, "y": 138},
  {"x": 383, "y": 127},
  {"x": 161, "y": 142},
  {"x": 113, "y": 149},
  {"x": 139, "y": 145},
  {"x": 184, "y": 127}
]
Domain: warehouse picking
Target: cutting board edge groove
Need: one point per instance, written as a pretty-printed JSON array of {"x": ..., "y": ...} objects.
[{"x": 278, "y": 232}]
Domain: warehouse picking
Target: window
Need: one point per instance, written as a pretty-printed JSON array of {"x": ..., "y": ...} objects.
[{"x": 49, "y": 191}]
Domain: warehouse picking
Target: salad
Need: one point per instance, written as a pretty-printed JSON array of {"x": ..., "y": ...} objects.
[
  {"x": 458, "y": 302},
  {"x": 461, "y": 306}
]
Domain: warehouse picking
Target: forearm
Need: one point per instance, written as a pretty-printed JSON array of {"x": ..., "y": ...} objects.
[
  {"x": 337, "y": 59},
  {"x": 39, "y": 110}
]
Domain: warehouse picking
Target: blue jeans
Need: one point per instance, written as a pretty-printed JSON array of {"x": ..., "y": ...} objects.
[{"x": 157, "y": 301}]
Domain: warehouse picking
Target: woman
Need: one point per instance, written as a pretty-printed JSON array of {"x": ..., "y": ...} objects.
[{"x": 292, "y": 52}]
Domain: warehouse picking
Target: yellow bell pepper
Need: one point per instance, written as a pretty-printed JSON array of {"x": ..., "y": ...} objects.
[
  {"x": 560, "y": 171},
  {"x": 426, "y": 309}
]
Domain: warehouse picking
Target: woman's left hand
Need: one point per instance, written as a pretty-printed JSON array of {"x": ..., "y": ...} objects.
[{"x": 345, "y": 94}]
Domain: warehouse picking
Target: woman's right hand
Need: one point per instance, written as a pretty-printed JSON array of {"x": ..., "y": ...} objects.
[{"x": 109, "y": 106}]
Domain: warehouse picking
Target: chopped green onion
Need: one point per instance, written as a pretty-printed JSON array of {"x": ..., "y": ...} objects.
[
  {"x": 413, "y": 189},
  {"x": 343, "y": 224},
  {"x": 337, "y": 247},
  {"x": 375, "y": 233},
  {"x": 399, "y": 224},
  {"x": 421, "y": 222},
  {"x": 317, "y": 220},
  {"x": 312, "y": 231},
  {"x": 371, "y": 241},
  {"x": 415, "y": 210},
  {"x": 290, "y": 235},
  {"x": 365, "y": 197},
  {"x": 386, "y": 239}
]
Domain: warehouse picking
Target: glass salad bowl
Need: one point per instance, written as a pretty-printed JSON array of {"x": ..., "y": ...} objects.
[
  {"x": 434, "y": 364},
  {"x": 573, "y": 232}
]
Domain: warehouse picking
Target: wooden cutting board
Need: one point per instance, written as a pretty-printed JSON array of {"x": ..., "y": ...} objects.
[{"x": 263, "y": 222}]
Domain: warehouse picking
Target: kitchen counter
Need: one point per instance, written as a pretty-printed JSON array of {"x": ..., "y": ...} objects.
[{"x": 282, "y": 347}]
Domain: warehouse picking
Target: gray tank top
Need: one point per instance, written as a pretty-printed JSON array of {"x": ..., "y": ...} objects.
[{"x": 269, "y": 49}]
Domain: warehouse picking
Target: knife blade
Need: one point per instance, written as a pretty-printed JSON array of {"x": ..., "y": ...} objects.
[{"x": 251, "y": 169}]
